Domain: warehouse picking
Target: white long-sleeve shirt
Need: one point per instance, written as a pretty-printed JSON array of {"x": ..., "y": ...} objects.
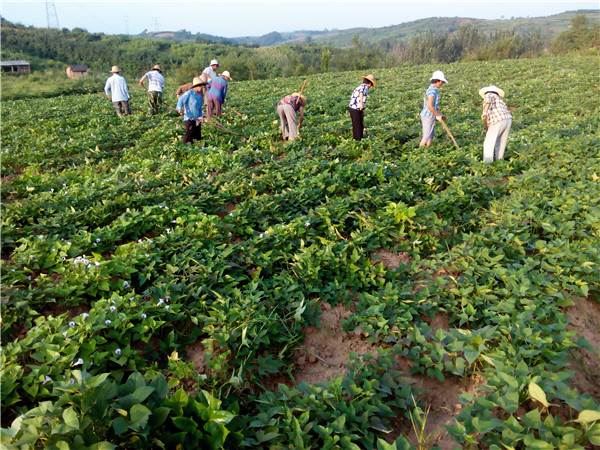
[{"x": 116, "y": 88}]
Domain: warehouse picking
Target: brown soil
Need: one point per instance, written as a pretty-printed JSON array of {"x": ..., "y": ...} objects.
[
  {"x": 390, "y": 259},
  {"x": 326, "y": 350},
  {"x": 584, "y": 319}
]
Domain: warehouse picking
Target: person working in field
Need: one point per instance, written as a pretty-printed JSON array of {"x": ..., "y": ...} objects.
[
  {"x": 190, "y": 105},
  {"x": 429, "y": 113},
  {"x": 358, "y": 101},
  {"x": 287, "y": 108},
  {"x": 116, "y": 90},
  {"x": 215, "y": 97},
  {"x": 497, "y": 121},
  {"x": 211, "y": 70},
  {"x": 156, "y": 83},
  {"x": 187, "y": 86}
]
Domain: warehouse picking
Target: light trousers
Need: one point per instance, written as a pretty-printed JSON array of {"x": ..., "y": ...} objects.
[
  {"x": 289, "y": 121},
  {"x": 495, "y": 140}
]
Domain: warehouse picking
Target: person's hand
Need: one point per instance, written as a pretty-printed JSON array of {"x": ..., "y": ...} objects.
[
  {"x": 440, "y": 118},
  {"x": 484, "y": 118}
]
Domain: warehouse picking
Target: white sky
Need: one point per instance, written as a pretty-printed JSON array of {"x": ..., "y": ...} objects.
[{"x": 255, "y": 18}]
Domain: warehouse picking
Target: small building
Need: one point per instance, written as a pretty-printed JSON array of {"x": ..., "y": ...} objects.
[
  {"x": 17, "y": 66},
  {"x": 74, "y": 72}
]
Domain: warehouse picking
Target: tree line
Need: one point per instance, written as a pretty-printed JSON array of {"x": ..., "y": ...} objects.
[{"x": 50, "y": 47}]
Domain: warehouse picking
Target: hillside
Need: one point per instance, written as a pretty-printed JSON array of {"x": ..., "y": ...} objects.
[
  {"x": 549, "y": 26},
  {"x": 314, "y": 294}
]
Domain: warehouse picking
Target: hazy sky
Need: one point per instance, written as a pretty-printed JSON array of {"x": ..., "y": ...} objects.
[{"x": 255, "y": 18}]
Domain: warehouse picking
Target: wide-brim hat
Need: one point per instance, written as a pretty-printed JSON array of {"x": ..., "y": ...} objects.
[
  {"x": 157, "y": 67},
  {"x": 371, "y": 78},
  {"x": 438, "y": 75},
  {"x": 115, "y": 69},
  {"x": 214, "y": 62},
  {"x": 301, "y": 97},
  {"x": 199, "y": 81},
  {"x": 491, "y": 88},
  {"x": 226, "y": 74}
]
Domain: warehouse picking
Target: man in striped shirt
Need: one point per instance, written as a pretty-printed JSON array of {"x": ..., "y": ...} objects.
[
  {"x": 497, "y": 121},
  {"x": 156, "y": 83}
]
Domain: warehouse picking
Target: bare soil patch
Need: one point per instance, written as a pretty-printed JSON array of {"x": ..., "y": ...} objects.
[
  {"x": 327, "y": 348},
  {"x": 390, "y": 259},
  {"x": 584, "y": 319}
]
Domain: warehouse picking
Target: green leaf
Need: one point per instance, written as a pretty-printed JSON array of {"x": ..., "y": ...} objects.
[
  {"x": 537, "y": 393},
  {"x": 593, "y": 434},
  {"x": 139, "y": 416},
  {"x": 70, "y": 417},
  {"x": 586, "y": 416}
]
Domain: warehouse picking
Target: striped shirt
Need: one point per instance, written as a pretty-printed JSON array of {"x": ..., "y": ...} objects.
[
  {"x": 190, "y": 103},
  {"x": 156, "y": 82},
  {"x": 355, "y": 98},
  {"x": 497, "y": 110},
  {"x": 432, "y": 90},
  {"x": 116, "y": 87}
]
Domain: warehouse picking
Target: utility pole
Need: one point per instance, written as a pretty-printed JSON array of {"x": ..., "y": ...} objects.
[
  {"x": 156, "y": 24},
  {"x": 51, "y": 15}
]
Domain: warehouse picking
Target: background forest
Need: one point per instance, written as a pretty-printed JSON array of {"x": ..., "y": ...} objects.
[{"x": 436, "y": 41}]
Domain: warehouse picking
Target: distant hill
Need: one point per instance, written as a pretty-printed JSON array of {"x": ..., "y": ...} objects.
[{"x": 549, "y": 26}]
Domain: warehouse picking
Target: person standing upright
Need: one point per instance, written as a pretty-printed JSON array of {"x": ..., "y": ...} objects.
[
  {"x": 156, "y": 83},
  {"x": 215, "y": 97},
  {"x": 429, "y": 113},
  {"x": 497, "y": 121},
  {"x": 116, "y": 90},
  {"x": 358, "y": 101},
  {"x": 211, "y": 71},
  {"x": 190, "y": 105}
]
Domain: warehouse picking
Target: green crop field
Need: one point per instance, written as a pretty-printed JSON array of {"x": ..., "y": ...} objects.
[{"x": 320, "y": 294}]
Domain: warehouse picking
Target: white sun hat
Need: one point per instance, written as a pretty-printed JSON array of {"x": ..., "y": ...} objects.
[
  {"x": 214, "y": 62},
  {"x": 438, "y": 75},
  {"x": 491, "y": 88}
]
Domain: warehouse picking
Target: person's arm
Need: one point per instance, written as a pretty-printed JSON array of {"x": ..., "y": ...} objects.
[
  {"x": 484, "y": 116},
  {"x": 432, "y": 110},
  {"x": 107, "y": 89},
  {"x": 180, "y": 101},
  {"x": 141, "y": 83}
]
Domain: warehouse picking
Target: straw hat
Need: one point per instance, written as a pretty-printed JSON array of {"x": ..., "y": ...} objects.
[
  {"x": 302, "y": 97},
  {"x": 491, "y": 88},
  {"x": 204, "y": 78},
  {"x": 115, "y": 69},
  {"x": 371, "y": 78},
  {"x": 214, "y": 62},
  {"x": 199, "y": 81},
  {"x": 438, "y": 75},
  {"x": 226, "y": 75},
  {"x": 157, "y": 67}
]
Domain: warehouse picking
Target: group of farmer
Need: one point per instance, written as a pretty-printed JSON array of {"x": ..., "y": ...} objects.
[{"x": 496, "y": 117}]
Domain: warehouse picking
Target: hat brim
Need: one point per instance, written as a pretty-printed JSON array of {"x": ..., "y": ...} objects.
[
  {"x": 487, "y": 89},
  {"x": 372, "y": 81}
]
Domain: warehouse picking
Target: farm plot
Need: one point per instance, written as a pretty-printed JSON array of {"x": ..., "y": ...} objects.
[{"x": 323, "y": 293}]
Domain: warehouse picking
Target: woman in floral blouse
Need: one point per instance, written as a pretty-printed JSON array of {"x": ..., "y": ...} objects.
[{"x": 357, "y": 105}]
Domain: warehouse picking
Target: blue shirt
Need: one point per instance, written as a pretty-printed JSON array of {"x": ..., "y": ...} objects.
[
  {"x": 218, "y": 89},
  {"x": 432, "y": 90},
  {"x": 355, "y": 99},
  {"x": 116, "y": 88},
  {"x": 190, "y": 103}
]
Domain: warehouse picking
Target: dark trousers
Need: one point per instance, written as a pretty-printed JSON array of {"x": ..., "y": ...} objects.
[
  {"x": 122, "y": 107},
  {"x": 154, "y": 102},
  {"x": 358, "y": 123},
  {"x": 193, "y": 132}
]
